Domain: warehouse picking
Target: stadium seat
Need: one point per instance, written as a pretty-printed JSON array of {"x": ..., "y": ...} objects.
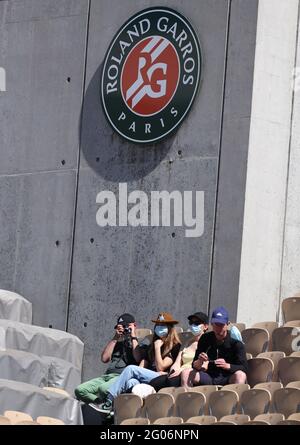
[
  {"x": 256, "y": 422},
  {"x": 291, "y": 308},
  {"x": 287, "y": 401},
  {"x": 289, "y": 370},
  {"x": 222, "y": 403},
  {"x": 158, "y": 405},
  {"x": 4, "y": 420},
  {"x": 17, "y": 416},
  {"x": 240, "y": 326},
  {"x": 237, "y": 419},
  {"x": 173, "y": 390},
  {"x": 127, "y": 406},
  {"x": 255, "y": 401},
  {"x": 295, "y": 416},
  {"x": 272, "y": 419},
  {"x": 45, "y": 420},
  {"x": 282, "y": 339},
  {"x": 269, "y": 326},
  {"x": 206, "y": 390},
  {"x": 295, "y": 384},
  {"x": 239, "y": 389},
  {"x": 202, "y": 420},
  {"x": 293, "y": 323},
  {"x": 224, "y": 423},
  {"x": 259, "y": 370},
  {"x": 27, "y": 422},
  {"x": 271, "y": 387},
  {"x": 289, "y": 422},
  {"x": 256, "y": 340},
  {"x": 171, "y": 420},
  {"x": 275, "y": 356},
  {"x": 136, "y": 421},
  {"x": 295, "y": 354},
  {"x": 189, "y": 404}
]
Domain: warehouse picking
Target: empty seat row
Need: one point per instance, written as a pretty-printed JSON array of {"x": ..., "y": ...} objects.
[
  {"x": 251, "y": 402},
  {"x": 235, "y": 419},
  {"x": 264, "y": 368},
  {"x": 20, "y": 418}
]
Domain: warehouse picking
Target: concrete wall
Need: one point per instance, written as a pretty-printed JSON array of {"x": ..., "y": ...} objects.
[
  {"x": 58, "y": 153},
  {"x": 290, "y": 282},
  {"x": 269, "y": 233},
  {"x": 42, "y": 47}
]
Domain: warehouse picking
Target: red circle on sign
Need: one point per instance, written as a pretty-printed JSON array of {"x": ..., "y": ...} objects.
[{"x": 150, "y": 76}]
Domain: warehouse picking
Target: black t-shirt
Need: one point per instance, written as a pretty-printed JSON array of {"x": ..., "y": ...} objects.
[
  {"x": 122, "y": 356},
  {"x": 172, "y": 354}
]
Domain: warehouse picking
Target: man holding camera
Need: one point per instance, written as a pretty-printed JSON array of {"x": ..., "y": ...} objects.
[{"x": 120, "y": 351}]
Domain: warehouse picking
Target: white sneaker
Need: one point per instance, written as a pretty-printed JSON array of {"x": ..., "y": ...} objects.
[
  {"x": 105, "y": 408},
  {"x": 96, "y": 406}
]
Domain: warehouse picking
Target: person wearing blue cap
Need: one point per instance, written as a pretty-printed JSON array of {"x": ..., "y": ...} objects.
[{"x": 219, "y": 358}]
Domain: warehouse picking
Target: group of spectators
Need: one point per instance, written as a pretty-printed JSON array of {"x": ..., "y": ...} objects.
[{"x": 217, "y": 357}]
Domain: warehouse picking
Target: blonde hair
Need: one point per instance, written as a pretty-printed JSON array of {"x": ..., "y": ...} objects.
[{"x": 169, "y": 342}]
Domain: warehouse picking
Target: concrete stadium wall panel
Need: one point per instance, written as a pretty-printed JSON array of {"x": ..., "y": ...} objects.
[
  {"x": 41, "y": 48},
  {"x": 233, "y": 155},
  {"x": 141, "y": 270},
  {"x": 37, "y": 239},
  {"x": 9, "y": 187}
]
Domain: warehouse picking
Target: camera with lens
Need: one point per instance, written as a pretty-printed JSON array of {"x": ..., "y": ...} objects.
[
  {"x": 127, "y": 330},
  {"x": 127, "y": 336}
]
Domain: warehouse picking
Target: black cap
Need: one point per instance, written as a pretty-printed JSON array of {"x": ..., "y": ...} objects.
[
  {"x": 200, "y": 316},
  {"x": 125, "y": 319}
]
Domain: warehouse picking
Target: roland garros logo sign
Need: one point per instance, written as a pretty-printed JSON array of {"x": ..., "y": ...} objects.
[{"x": 151, "y": 75}]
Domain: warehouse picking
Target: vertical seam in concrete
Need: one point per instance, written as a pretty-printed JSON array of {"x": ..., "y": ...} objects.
[
  {"x": 287, "y": 175},
  {"x": 78, "y": 166},
  {"x": 219, "y": 157}
]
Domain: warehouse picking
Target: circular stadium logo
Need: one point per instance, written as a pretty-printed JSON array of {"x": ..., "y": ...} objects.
[{"x": 151, "y": 74}]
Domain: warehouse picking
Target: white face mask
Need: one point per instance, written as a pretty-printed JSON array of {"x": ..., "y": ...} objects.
[
  {"x": 196, "y": 329},
  {"x": 161, "y": 330}
]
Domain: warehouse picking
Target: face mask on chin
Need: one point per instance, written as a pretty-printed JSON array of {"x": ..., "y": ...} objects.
[
  {"x": 196, "y": 329},
  {"x": 161, "y": 330}
]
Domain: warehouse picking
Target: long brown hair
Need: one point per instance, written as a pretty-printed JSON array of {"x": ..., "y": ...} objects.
[{"x": 169, "y": 342}]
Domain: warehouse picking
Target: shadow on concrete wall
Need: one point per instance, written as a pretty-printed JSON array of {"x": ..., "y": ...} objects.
[{"x": 107, "y": 153}]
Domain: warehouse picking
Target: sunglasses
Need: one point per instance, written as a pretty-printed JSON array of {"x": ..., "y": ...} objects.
[{"x": 196, "y": 322}]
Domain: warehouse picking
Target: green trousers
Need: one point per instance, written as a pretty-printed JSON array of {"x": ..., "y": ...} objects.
[{"x": 95, "y": 390}]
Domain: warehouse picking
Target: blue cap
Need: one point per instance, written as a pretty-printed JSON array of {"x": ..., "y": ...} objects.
[{"x": 220, "y": 315}]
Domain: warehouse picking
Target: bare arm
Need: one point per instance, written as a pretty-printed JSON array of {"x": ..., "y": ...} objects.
[
  {"x": 136, "y": 350},
  {"x": 108, "y": 350},
  {"x": 177, "y": 364},
  {"x": 160, "y": 363}
]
